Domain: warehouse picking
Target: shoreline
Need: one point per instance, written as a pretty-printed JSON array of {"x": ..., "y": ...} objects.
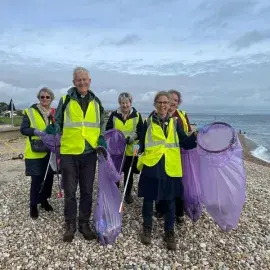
[{"x": 247, "y": 148}]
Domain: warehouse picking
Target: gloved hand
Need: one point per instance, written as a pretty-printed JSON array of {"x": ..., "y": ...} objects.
[
  {"x": 38, "y": 132},
  {"x": 129, "y": 140},
  {"x": 102, "y": 142},
  {"x": 51, "y": 129}
]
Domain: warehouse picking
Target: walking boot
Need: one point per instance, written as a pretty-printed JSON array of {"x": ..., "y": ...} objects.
[
  {"x": 170, "y": 240},
  {"x": 146, "y": 235},
  {"x": 69, "y": 232},
  {"x": 129, "y": 199},
  {"x": 46, "y": 206},
  {"x": 85, "y": 230},
  {"x": 33, "y": 212}
]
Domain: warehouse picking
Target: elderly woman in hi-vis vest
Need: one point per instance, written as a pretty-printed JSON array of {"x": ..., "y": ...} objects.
[
  {"x": 37, "y": 118},
  {"x": 182, "y": 118},
  {"x": 129, "y": 122},
  {"x": 160, "y": 166}
]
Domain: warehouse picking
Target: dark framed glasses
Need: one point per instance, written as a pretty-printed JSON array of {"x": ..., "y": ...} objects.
[{"x": 43, "y": 97}]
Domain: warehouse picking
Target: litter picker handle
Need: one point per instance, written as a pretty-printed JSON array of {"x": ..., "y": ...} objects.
[{"x": 135, "y": 152}]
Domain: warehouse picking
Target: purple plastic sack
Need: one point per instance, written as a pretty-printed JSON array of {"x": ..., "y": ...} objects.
[
  {"x": 51, "y": 141},
  {"x": 116, "y": 143},
  {"x": 191, "y": 181},
  {"x": 223, "y": 178},
  {"x": 108, "y": 220}
]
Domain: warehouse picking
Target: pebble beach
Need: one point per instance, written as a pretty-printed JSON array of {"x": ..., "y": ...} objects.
[{"x": 37, "y": 244}]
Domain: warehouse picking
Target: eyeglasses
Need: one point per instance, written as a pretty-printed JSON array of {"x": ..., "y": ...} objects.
[
  {"x": 47, "y": 97},
  {"x": 162, "y": 102}
]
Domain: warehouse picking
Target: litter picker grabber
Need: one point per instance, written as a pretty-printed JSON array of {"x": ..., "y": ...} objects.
[
  {"x": 123, "y": 160},
  {"x": 59, "y": 194},
  {"x": 135, "y": 153}
]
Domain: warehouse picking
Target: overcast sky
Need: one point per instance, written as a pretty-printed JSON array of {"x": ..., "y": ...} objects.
[{"x": 216, "y": 52}]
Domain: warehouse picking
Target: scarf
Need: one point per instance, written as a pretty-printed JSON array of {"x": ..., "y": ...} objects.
[{"x": 45, "y": 113}]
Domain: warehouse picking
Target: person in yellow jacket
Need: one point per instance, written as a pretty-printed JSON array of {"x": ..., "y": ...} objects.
[
  {"x": 160, "y": 165},
  {"x": 129, "y": 122},
  {"x": 80, "y": 120},
  {"x": 183, "y": 120},
  {"x": 37, "y": 118}
]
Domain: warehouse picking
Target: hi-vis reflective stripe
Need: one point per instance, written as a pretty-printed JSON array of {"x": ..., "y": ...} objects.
[
  {"x": 126, "y": 133},
  {"x": 32, "y": 118},
  {"x": 152, "y": 143},
  {"x": 68, "y": 122}
]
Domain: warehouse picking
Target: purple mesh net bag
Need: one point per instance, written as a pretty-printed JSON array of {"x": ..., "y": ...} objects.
[
  {"x": 223, "y": 178},
  {"x": 51, "y": 141},
  {"x": 108, "y": 220},
  {"x": 116, "y": 144},
  {"x": 191, "y": 181}
]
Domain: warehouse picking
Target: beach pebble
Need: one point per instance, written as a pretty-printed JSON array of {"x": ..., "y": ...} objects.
[{"x": 37, "y": 244}]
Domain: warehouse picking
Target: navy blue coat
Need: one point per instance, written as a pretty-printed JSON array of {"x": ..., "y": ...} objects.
[
  {"x": 154, "y": 183},
  {"x": 37, "y": 166}
]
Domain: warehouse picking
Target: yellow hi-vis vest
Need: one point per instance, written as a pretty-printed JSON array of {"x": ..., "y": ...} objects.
[
  {"x": 127, "y": 128},
  {"x": 77, "y": 128},
  {"x": 182, "y": 115},
  {"x": 36, "y": 122},
  {"x": 157, "y": 145}
]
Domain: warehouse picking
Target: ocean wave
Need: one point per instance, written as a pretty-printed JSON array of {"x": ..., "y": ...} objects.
[{"x": 262, "y": 153}]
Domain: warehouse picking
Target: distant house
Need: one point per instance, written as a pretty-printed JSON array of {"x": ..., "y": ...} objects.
[{"x": 8, "y": 113}]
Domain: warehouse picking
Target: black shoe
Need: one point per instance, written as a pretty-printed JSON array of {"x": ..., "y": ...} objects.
[
  {"x": 87, "y": 233},
  {"x": 46, "y": 206},
  {"x": 129, "y": 199},
  {"x": 69, "y": 233},
  {"x": 159, "y": 215},
  {"x": 180, "y": 220},
  {"x": 170, "y": 240},
  {"x": 146, "y": 235},
  {"x": 33, "y": 212}
]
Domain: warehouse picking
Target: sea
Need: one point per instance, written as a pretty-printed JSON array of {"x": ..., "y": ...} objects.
[{"x": 255, "y": 127}]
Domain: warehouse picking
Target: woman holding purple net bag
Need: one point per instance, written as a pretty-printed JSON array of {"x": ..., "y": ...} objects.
[
  {"x": 37, "y": 155},
  {"x": 128, "y": 121},
  {"x": 160, "y": 147}
]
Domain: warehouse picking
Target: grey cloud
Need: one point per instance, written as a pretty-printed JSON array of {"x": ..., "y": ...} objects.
[
  {"x": 250, "y": 38},
  {"x": 129, "y": 39},
  {"x": 220, "y": 14},
  {"x": 212, "y": 87}
]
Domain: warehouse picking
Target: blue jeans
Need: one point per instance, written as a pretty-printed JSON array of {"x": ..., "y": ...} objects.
[{"x": 147, "y": 212}]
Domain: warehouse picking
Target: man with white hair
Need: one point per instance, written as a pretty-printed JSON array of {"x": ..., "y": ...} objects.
[{"x": 80, "y": 119}]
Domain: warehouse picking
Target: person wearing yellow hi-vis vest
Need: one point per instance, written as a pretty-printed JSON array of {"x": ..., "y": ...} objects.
[
  {"x": 129, "y": 122},
  {"x": 183, "y": 120},
  {"x": 160, "y": 165},
  {"x": 80, "y": 120},
  {"x": 35, "y": 119}
]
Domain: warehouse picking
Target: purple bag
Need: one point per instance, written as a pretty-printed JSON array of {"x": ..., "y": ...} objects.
[
  {"x": 108, "y": 220},
  {"x": 51, "y": 141},
  {"x": 223, "y": 178},
  {"x": 116, "y": 144},
  {"x": 191, "y": 181}
]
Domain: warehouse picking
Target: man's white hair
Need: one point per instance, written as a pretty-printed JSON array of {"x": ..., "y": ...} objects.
[{"x": 78, "y": 70}]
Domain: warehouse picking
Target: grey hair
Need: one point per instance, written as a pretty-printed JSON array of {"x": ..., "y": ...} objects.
[
  {"x": 80, "y": 69},
  {"x": 46, "y": 90},
  {"x": 160, "y": 94},
  {"x": 173, "y": 91},
  {"x": 123, "y": 96}
]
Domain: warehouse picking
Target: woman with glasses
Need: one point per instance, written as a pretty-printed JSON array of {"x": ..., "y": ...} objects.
[
  {"x": 129, "y": 121},
  {"x": 183, "y": 120},
  {"x": 37, "y": 118},
  {"x": 160, "y": 165}
]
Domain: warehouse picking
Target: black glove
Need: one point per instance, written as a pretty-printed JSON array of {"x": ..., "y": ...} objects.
[{"x": 129, "y": 140}]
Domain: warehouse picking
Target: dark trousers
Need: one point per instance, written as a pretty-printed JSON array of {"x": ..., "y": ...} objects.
[
  {"x": 179, "y": 207},
  {"x": 78, "y": 169},
  {"x": 169, "y": 211},
  {"x": 39, "y": 193},
  {"x": 126, "y": 167}
]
